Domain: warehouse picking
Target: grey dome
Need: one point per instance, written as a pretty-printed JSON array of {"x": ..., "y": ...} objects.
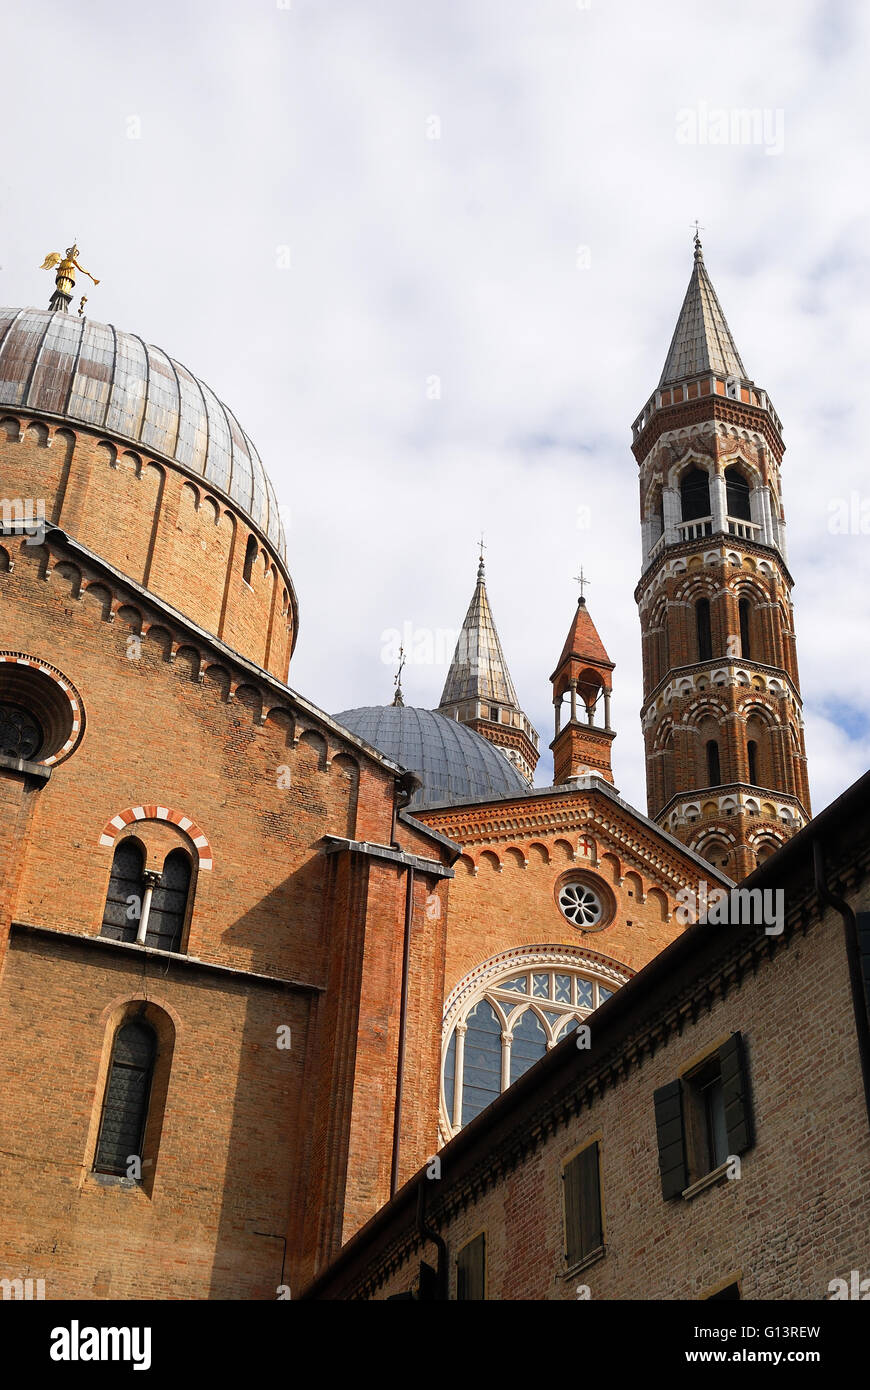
[
  {"x": 455, "y": 763},
  {"x": 78, "y": 369}
]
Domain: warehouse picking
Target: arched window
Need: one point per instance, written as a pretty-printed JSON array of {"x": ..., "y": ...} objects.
[
  {"x": 125, "y": 1106},
  {"x": 713, "y": 775},
  {"x": 482, "y": 1060},
  {"x": 250, "y": 559},
  {"x": 737, "y": 495},
  {"x": 743, "y": 609},
  {"x": 169, "y": 903},
  {"x": 127, "y": 899},
  {"x": 716, "y": 853},
  {"x": 764, "y": 851},
  {"x": 507, "y": 1025},
  {"x": 752, "y": 758},
  {"x": 702, "y": 626},
  {"x": 694, "y": 494},
  {"x": 126, "y": 892}
]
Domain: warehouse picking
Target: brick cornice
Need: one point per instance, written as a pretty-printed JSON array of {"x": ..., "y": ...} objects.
[
  {"x": 703, "y": 408},
  {"x": 625, "y": 833},
  {"x": 720, "y": 540}
]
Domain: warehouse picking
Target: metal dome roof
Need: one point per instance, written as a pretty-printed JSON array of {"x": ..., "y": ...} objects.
[
  {"x": 455, "y": 763},
  {"x": 78, "y": 369}
]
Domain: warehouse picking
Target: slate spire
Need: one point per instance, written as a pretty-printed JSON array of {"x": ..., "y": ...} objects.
[
  {"x": 479, "y": 691},
  {"x": 702, "y": 340}
]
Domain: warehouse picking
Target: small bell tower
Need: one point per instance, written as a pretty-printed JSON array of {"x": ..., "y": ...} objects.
[{"x": 582, "y": 746}]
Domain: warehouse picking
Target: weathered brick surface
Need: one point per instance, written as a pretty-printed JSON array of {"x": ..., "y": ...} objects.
[
  {"x": 163, "y": 529},
  {"x": 798, "y": 1216},
  {"x": 258, "y": 1143}
]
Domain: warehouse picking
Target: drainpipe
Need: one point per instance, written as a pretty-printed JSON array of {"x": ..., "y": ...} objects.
[
  {"x": 405, "y": 787},
  {"x": 853, "y": 956},
  {"x": 427, "y": 1233},
  {"x": 151, "y": 881},
  {"x": 403, "y": 1018}
]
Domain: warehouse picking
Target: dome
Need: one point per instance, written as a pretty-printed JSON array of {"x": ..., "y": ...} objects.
[
  {"x": 78, "y": 369},
  {"x": 455, "y": 763}
]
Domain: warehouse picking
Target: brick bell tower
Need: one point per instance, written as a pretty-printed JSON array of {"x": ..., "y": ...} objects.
[
  {"x": 722, "y": 713},
  {"x": 583, "y": 674}
]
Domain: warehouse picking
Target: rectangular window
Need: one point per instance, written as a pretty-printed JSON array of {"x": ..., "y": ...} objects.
[
  {"x": 730, "y": 1291},
  {"x": 704, "y": 1117},
  {"x": 706, "y": 1131},
  {"x": 471, "y": 1271},
  {"x": 584, "y": 1225}
]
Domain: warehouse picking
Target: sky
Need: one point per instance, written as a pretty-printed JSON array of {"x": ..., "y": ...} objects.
[{"x": 432, "y": 255}]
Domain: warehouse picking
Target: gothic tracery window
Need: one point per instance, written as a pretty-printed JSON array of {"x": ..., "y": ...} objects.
[{"x": 507, "y": 1026}]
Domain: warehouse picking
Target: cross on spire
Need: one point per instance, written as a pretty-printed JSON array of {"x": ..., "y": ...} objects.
[
  {"x": 582, "y": 581},
  {"x": 697, "y": 238}
]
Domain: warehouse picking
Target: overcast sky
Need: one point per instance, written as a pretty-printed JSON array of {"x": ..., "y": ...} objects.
[{"x": 333, "y": 211}]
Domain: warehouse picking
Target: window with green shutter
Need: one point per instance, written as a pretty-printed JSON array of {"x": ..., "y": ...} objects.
[
  {"x": 471, "y": 1270},
  {"x": 584, "y": 1225},
  {"x": 703, "y": 1118}
]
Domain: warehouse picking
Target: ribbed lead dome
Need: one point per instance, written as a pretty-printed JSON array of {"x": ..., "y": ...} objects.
[
  {"x": 455, "y": 763},
  {"x": 78, "y": 369}
]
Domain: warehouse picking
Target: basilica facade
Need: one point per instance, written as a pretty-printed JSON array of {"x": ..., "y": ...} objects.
[{"x": 259, "y": 963}]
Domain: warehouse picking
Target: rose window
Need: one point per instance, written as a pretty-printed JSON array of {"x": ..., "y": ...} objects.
[
  {"x": 580, "y": 904},
  {"x": 20, "y": 734}
]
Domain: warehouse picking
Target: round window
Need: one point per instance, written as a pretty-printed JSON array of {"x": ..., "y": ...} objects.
[
  {"x": 581, "y": 905},
  {"x": 20, "y": 734}
]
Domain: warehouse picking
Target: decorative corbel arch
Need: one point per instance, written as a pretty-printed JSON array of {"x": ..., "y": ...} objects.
[{"x": 164, "y": 813}]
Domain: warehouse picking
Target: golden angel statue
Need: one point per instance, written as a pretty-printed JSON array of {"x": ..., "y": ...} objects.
[{"x": 65, "y": 280}]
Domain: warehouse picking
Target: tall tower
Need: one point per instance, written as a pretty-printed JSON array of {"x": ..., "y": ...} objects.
[
  {"x": 722, "y": 711},
  {"x": 583, "y": 673},
  {"x": 479, "y": 691}
]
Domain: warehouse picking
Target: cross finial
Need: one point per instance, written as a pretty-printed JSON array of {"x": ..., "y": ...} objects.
[
  {"x": 582, "y": 581},
  {"x": 697, "y": 238},
  {"x": 397, "y": 679},
  {"x": 482, "y": 548}
]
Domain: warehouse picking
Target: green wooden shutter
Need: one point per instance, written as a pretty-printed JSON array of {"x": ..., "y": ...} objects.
[
  {"x": 671, "y": 1139},
  {"x": 735, "y": 1093},
  {"x": 471, "y": 1270},
  {"x": 571, "y": 1179},
  {"x": 583, "y": 1221}
]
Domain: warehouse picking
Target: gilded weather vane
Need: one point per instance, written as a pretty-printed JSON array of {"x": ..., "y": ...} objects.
[
  {"x": 65, "y": 280},
  {"x": 397, "y": 679}
]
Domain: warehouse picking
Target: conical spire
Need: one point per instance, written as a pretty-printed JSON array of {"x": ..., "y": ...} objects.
[
  {"x": 478, "y": 690},
  {"x": 583, "y": 645},
  {"x": 478, "y": 670},
  {"x": 702, "y": 340}
]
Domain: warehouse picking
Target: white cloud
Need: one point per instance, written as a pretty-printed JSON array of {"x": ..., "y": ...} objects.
[{"x": 307, "y": 128}]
